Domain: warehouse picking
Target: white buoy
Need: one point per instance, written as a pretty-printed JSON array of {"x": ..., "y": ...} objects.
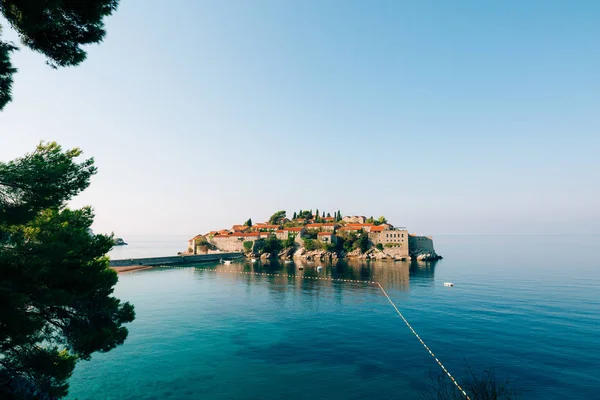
[{"x": 449, "y": 284}]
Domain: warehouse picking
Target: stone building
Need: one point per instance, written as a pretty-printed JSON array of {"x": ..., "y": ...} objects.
[
  {"x": 264, "y": 227},
  {"x": 355, "y": 219},
  {"x": 391, "y": 236},
  {"x": 235, "y": 241},
  {"x": 326, "y": 237}
]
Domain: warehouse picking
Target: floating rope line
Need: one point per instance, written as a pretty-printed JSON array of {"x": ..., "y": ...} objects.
[
  {"x": 422, "y": 342},
  {"x": 353, "y": 281},
  {"x": 286, "y": 275}
]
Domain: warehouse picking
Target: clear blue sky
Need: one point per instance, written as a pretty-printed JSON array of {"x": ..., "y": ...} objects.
[{"x": 444, "y": 116}]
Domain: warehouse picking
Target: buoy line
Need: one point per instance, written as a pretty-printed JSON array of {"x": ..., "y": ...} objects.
[
  {"x": 355, "y": 281},
  {"x": 422, "y": 342}
]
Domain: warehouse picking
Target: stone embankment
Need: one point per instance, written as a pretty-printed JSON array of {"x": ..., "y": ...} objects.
[
  {"x": 174, "y": 260},
  {"x": 392, "y": 254}
]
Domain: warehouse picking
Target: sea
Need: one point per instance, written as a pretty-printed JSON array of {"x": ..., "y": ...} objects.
[{"x": 526, "y": 308}]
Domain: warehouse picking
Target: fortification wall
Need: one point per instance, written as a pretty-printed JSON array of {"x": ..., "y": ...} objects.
[
  {"x": 232, "y": 243},
  {"x": 420, "y": 244}
]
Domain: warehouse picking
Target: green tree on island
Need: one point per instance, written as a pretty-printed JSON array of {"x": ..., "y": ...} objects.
[
  {"x": 277, "y": 218},
  {"x": 56, "y": 303},
  {"x": 57, "y": 29},
  {"x": 248, "y": 223},
  {"x": 295, "y": 215}
]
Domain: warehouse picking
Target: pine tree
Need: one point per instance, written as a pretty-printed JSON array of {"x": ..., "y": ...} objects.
[
  {"x": 56, "y": 302},
  {"x": 294, "y": 215},
  {"x": 323, "y": 216},
  {"x": 59, "y": 30},
  {"x": 328, "y": 215},
  {"x": 317, "y": 215}
]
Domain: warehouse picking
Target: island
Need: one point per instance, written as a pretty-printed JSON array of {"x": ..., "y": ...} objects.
[
  {"x": 119, "y": 242},
  {"x": 313, "y": 236}
]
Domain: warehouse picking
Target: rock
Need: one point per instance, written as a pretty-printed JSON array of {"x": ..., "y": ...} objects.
[
  {"x": 286, "y": 253},
  {"x": 354, "y": 254},
  {"x": 300, "y": 252},
  {"x": 426, "y": 256},
  {"x": 265, "y": 256}
]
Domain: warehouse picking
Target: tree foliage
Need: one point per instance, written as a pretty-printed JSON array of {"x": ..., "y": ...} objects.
[
  {"x": 56, "y": 303},
  {"x": 305, "y": 214},
  {"x": 55, "y": 28},
  {"x": 311, "y": 244},
  {"x": 277, "y": 218},
  {"x": 268, "y": 245},
  {"x": 248, "y": 223},
  {"x": 248, "y": 246}
]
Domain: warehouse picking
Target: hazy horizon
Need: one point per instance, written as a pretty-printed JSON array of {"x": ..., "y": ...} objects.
[{"x": 446, "y": 118}]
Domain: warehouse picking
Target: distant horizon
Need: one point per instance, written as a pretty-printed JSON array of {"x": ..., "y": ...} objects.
[{"x": 452, "y": 118}]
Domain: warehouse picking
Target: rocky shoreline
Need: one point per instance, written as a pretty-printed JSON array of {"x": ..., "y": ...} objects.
[{"x": 324, "y": 255}]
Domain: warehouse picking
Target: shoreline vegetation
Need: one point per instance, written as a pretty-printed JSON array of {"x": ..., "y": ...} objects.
[{"x": 317, "y": 236}]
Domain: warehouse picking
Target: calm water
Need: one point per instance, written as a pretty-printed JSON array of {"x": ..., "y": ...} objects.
[
  {"x": 527, "y": 306},
  {"x": 150, "y": 246}
]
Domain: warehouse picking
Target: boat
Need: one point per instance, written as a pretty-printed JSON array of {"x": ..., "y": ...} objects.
[
  {"x": 449, "y": 284},
  {"x": 288, "y": 262},
  {"x": 226, "y": 262}
]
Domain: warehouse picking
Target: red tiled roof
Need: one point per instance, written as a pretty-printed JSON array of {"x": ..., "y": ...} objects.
[
  {"x": 377, "y": 228},
  {"x": 314, "y": 225},
  {"x": 330, "y": 224},
  {"x": 241, "y": 234},
  {"x": 265, "y": 226},
  {"x": 360, "y": 225},
  {"x": 293, "y": 229},
  {"x": 351, "y": 228},
  {"x": 324, "y": 233},
  {"x": 280, "y": 231},
  {"x": 328, "y": 219}
]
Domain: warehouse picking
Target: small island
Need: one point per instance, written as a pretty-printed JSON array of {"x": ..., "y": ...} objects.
[
  {"x": 120, "y": 242},
  {"x": 314, "y": 236}
]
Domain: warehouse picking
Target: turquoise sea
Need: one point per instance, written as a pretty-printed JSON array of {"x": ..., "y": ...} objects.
[{"x": 527, "y": 306}]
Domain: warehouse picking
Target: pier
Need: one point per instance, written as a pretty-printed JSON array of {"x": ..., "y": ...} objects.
[{"x": 173, "y": 260}]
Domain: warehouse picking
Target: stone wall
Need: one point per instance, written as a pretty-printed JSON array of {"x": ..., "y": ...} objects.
[
  {"x": 420, "y": 244},
  {"x": 174, "y": 260},
  {"x": 234, "y": 243}
]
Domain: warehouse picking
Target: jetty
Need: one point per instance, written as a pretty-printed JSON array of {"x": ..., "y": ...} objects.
[{"x": 131, "y": 264}]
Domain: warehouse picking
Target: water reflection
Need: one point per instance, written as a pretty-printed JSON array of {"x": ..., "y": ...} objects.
[{"x": 393, "y": 275}]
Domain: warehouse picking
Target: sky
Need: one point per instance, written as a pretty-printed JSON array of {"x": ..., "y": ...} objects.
[{"x": 448, "y": 117}]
